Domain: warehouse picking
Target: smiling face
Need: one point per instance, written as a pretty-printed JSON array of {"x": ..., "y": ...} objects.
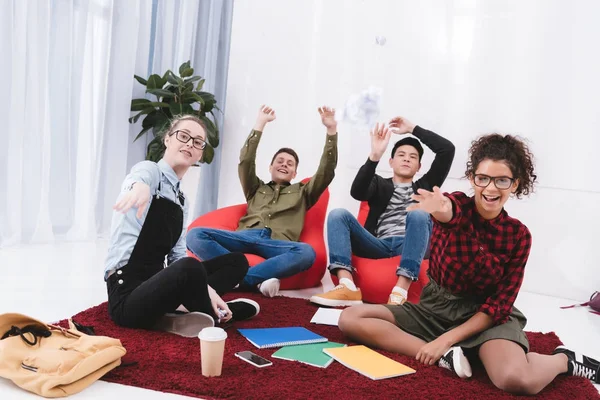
[
  {"x": 490, "y": 200},
  {"x": 405, "y": 162},
  {"x": 182, "y": 144},
  {"x": 283, "y": 168}
]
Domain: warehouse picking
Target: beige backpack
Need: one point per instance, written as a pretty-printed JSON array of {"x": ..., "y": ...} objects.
[{"x": 53, "y": 361}]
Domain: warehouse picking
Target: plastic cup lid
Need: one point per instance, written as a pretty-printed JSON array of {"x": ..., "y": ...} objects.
[{"x": 212, "y": 334}]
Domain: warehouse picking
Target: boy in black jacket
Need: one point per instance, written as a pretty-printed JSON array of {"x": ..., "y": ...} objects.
[{"x": 390, "y": 230}]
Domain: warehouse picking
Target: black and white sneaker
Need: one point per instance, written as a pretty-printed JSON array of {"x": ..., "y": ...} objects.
[
  {"x": 580, "y": 365},
  {"x": 184, "y": 324},
  {"x": 455, "y": 361},
  {"x": 242, "y": 309}
]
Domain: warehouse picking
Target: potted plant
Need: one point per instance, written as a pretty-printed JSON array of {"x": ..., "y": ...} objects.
[{"x": 175, "y": 95}]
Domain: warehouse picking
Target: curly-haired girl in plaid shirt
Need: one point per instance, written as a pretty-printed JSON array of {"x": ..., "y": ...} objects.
[{"x": 477, "y": 262}]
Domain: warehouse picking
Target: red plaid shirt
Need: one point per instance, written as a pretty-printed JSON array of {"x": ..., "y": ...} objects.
[{"x": 483, "y": 258}]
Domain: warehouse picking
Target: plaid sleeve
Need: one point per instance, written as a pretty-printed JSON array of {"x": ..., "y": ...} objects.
[
  {"x": 499, "y": 305},
  {"x": 458, "y": 200}
]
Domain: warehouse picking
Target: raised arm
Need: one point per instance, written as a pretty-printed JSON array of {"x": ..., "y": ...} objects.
[
  {"x": 247, "y": 164},
  {"x": 326, "y": 171},
  {"x": 443, "y": 149},
  {"x": 365, "y": 183}
]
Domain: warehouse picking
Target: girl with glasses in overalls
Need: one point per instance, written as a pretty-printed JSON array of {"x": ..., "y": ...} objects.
[{"x": 147, "y": 227}]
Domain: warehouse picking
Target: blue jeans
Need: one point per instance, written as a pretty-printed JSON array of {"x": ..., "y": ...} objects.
[
  {"x": 282, "y": 258},
  {"x": 346, "y": 236}
]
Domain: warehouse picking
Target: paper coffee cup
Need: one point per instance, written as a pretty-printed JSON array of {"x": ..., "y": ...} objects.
[{"x": 212, "y": 347}]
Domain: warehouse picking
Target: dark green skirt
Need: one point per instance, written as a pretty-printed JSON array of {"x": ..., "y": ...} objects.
[{"x": 440, "y": 311}]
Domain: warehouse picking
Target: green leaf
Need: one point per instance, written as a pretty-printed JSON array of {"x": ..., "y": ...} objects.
[
  {"x": 161, "y": 93},
  {"x": 207, "y": 155},
  {"x": 139, "y": 104},
  {"x": 154, "y": 82},
  {"x": 166, "y": 75},
  {"x": 135, "y": 118},
  {"x": 192, "y": 79},
  {"x": 139, "y": 135},
  {"x": 187, "y": 72},
  {"x": 140, "y": 80},
  {"x": 156, "y": 149},
  {"x": 209, "y": 101},
  {"x": 180, "y": 109},
  {"x": 175, "y": 80},
  {"x": 212, "y": 133},
  {"x": 191, "y": 97},
  {"x": 214, "y": 119},
  {"x": 200, "y": 84},
  {"x": 189, "y": 87},
  {"x": 183, "y": 67}
]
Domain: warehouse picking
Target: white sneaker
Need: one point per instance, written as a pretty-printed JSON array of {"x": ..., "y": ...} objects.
[
  {"x": 186, "y": 324},
  {"x": 270, "y": 287}
]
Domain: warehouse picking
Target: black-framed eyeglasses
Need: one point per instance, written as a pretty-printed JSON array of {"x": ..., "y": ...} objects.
[
  {"x": 501, "y": 182},
  {"x": 185, "y": 137}
]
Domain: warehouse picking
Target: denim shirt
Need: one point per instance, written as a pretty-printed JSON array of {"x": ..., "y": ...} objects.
[{"x": 125, "y": 228}]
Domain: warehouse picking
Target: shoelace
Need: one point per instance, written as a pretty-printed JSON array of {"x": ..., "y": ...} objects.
[
  {"x": 445, "y": 364},
  {"x": 583, "y": 371},
  {"x": 35, "y": 330}
]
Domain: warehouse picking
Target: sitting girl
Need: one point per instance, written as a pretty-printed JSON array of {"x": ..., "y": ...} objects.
[
  {"x": 149, "y": 225},
  {"x": 477, "y": 262}
]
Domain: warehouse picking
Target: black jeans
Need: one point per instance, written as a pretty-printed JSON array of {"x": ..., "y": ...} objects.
[{"x": 138, "y": 303}]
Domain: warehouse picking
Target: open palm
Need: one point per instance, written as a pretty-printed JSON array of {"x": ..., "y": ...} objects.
[
  {"x": 431, "y": 202},
  {"x": 380, "y": 138}
]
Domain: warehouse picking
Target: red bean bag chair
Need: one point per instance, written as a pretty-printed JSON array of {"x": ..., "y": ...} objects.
[
  {"x": 227, "y": 218},
  {"x": 376, "y": 278}
]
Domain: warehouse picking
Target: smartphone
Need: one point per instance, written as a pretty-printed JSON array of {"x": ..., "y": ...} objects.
[{"x": 253, "y": 359}]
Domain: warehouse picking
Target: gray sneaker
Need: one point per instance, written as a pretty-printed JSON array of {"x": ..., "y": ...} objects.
[{"x": 185, "y": 324}]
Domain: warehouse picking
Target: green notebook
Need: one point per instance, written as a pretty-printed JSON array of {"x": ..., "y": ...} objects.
[{"x": 311, "y": 354}]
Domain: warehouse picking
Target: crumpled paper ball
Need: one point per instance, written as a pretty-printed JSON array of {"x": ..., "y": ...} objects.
[{"x": 361, "y": 109}]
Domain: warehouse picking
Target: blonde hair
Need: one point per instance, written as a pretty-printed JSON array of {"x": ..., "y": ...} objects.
[{"x": 184, "y": 117}]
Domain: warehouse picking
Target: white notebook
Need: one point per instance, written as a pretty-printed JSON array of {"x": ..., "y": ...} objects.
[{"x": 326, "y": 316}]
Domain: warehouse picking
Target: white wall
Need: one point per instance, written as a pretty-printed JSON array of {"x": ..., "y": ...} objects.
[{"x": 459, "y": 68}]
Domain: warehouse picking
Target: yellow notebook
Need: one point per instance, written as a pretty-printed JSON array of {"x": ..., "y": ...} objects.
[{"x": 368, "y": 362}]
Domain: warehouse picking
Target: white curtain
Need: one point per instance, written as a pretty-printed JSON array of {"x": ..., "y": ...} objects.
[
  {"x": 199, "y": 31},
  {"x": 68, "y": 69}
]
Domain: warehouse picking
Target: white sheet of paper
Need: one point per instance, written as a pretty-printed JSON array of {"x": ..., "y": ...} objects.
[{"x": 326, "y": 316}]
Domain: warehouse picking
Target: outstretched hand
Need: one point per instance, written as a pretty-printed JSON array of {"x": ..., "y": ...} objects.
[
  {"x": 138, "y": 197},
  {"x": 431, "y": 202},
  {"x": 380, "y": 138},
  {"x": 328, "y": 119}
]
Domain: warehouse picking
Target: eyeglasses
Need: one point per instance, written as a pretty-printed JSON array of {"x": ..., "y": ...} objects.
[
  {"x": 501, "y": 182},
  {"x": 184, "y": 137}
]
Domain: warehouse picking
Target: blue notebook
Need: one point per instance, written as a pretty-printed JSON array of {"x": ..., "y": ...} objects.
[{"x": 264, "y": 338}]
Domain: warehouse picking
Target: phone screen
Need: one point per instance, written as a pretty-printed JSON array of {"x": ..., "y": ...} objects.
[{"x": 254, "y": 358}]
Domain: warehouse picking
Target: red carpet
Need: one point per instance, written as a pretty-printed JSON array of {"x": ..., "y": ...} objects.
[{"x": 170, "y": 363}]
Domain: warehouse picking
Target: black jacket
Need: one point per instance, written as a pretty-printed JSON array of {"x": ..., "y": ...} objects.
[{"x": 378, "y": 191}]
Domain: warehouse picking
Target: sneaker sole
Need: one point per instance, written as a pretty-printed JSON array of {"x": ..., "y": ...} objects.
[
  {"x": 244, "y": 300},
  {"x": 334, "y": 303},
  {"x": 461, "y": 364},
  {"x": 187, "y": 325}
]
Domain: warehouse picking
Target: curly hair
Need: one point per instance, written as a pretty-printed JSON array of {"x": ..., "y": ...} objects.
[{"x": 512, "y": 150}]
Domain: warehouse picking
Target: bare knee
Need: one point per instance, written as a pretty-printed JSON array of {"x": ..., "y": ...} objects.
[
  {"x": 515, "y": 380},
  {"x": 349, "y": 318}
]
